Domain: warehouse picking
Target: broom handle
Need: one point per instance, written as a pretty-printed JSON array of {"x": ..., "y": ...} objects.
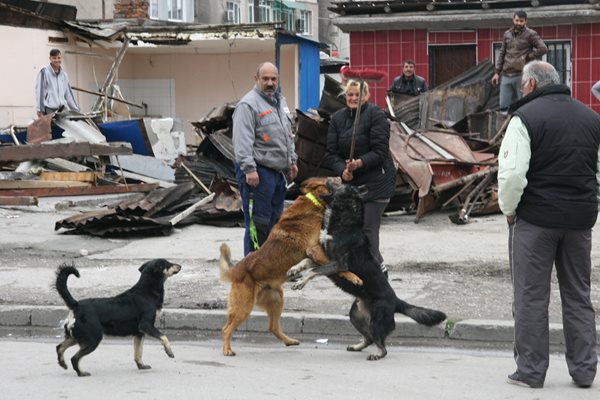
[{"x": 356, "y": 120}]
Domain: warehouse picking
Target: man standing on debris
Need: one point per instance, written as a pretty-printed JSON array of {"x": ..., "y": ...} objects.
[
  {"x": 548, "y": 189},
  {"x": 520, "y": 45},
  {"x": 52, "y": 88},
  {"x": 408, "y": 84},
  {"x": 264, "y": 154}
]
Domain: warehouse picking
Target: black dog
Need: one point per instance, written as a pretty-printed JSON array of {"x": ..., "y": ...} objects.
[
  {"x": 133, "y": 312},
  {"x": 345, "y": 243}
]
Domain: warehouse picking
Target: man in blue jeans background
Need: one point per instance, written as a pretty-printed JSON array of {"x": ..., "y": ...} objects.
[{"x": 265, "y": 155}]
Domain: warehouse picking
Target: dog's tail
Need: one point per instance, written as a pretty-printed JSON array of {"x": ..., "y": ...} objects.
[
  {"x": 62, "y": 273},
  {"x": 424, "y": 316},
  {"x": 225, "y": 264}
]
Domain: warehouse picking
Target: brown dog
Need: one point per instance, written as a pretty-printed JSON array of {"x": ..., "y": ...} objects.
[{"x": 258, "y": 278}]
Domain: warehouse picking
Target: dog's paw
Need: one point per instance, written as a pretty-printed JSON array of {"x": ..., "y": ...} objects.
[
  {"x": 352, "y": 278},
  {"x": 170, "y": 353},
  {"x": 82, "y": 374},
  {"x": 299, "y": 285},
  {"x": 143, "y": 366},
  {"x": 63, "y": 364},
  {"x": 228, "y": 353}
]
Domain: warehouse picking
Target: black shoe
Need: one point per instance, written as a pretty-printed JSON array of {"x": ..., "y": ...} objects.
[
  {"x": 514, "y": 379},
  {"x": 582, "y": 385}
]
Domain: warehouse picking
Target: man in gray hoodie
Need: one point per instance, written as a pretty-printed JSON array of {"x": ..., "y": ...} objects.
[
  {"x": 264, "y": 154},
  {"x": 52, "y": 88}
]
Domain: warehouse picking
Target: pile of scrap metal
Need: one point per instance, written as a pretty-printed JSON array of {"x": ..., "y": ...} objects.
[
  {"x": 444, "y": 143},
  {"x": 76, "y": 164},
  {"x": 155, "y": 213}
]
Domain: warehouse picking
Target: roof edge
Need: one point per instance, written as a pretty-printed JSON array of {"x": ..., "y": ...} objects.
[{"x": 469, "y": 19}]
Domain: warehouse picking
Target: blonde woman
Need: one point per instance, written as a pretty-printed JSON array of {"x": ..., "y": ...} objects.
[{"x": 371, "y": 165}]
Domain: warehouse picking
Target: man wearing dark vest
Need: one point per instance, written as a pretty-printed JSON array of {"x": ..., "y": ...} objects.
[{"x": 548, "y": 190}]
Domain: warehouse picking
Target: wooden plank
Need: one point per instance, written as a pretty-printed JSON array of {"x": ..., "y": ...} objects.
[
  {"x": 34, "y": 184},
  {"x": 79, "y": 191},
  {"x": 61, "y": 150},
  {"x": 18, "y": 201},
  {"x": 176, "y": 219},
  {"x": 68, "y": 176}
]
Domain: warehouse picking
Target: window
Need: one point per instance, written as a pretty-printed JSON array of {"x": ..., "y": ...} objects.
[
  {"x": 233, "y": 12},
  {"x": 153, "y": 9},
  {"x": 265, "y": 10},
  {"x": 174, "y": 10},
  {"x": 250, "y": 11},
  {"x": 304, "y": 23},
  {"x": 559, "y": 55}
]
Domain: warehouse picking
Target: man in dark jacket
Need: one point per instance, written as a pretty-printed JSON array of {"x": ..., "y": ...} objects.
[
  {"x": 520, "y": 45},
  {"x": 408, "y": 84},
  {"x": 548, "y": 190}
]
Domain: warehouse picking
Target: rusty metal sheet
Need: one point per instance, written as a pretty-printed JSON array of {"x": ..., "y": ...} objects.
[
  {"x": 311, "y": 146},
  {"x": 443, "y": 103}
]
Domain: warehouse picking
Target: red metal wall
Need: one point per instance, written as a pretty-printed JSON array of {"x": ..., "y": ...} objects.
[{"x": 387, "y": 50}]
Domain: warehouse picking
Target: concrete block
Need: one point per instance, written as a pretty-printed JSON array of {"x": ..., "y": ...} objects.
[
  {"x": 406, "y": 327},
  {"x": 325, "y": 324},
  {"x": 15, "y": 316},
  {"x": 483, "y": 330},
  {"x": 211, "y": 320},
  {"x": 259, "y": 322},
  {"x": 50, "y": 316}
]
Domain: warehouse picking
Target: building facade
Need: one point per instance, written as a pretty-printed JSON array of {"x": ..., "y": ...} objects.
[{"x": 445, "y": 42}]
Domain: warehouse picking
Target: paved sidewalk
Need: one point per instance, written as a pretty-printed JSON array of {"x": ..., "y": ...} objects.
[{"x": 459, "y": 269}]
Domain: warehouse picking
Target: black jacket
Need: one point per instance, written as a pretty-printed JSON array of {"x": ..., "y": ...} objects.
[
  {"x": 372, "y": 147},
  {"x": 561, "y": 181},
  {"x": 411, "y": 87}
]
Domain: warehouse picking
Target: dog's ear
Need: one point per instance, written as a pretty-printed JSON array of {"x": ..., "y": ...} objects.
[
  {"x": 144, "y": 266},
  {"x": 326, "y": 197}
]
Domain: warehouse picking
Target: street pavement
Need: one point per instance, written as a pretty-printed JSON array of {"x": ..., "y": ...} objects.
[
  {"x": 263, "y": 370},
  {"x": 459, "y": 269}
]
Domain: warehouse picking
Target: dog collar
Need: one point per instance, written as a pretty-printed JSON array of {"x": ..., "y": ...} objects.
[{"x": 314, "y": 199}]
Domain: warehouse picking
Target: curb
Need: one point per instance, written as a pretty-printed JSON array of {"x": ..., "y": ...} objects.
[{"x": 21, "y": 316}]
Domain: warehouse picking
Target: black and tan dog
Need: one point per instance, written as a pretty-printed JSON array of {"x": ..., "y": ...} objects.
[
  {"x": 131, "y": 313},
  {"x": 345, "y": 243},
  {"x": 258, "y": 278}
]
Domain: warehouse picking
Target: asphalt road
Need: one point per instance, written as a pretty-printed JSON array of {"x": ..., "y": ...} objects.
[{"x": 266, "y": 370}]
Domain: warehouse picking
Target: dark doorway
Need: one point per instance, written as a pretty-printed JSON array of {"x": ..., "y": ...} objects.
[{"x": 446, "y": 62}]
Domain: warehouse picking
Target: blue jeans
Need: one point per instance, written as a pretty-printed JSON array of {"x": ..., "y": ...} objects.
[
  {"x": 268, "y": 198},
  {"x": 510, "y": 90}
]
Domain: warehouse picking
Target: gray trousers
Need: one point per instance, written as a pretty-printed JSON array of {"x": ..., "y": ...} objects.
[
  {"x": 510, "y": 90},
  {"x": 373, "y": 211},
  {"x": 532, "y": 252}
]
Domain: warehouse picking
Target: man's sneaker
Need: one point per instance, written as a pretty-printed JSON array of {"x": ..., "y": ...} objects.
[
  {"x": 514, "y": 379},
  {"x": 384, "y": 269}
]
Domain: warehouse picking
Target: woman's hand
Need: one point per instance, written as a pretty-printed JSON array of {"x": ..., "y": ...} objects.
[
  {"x": 347, "y": 175},
  {"x": 353, "y": 165}
]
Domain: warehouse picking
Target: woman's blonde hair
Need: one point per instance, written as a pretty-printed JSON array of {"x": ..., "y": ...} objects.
[{"x": 353, "y": 83}]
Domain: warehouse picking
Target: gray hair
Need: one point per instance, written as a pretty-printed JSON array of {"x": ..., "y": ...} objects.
[{"x": 542, "y": 72}]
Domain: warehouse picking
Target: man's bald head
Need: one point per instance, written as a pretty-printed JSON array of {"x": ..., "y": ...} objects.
[{"x": 267, "y": 78}]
